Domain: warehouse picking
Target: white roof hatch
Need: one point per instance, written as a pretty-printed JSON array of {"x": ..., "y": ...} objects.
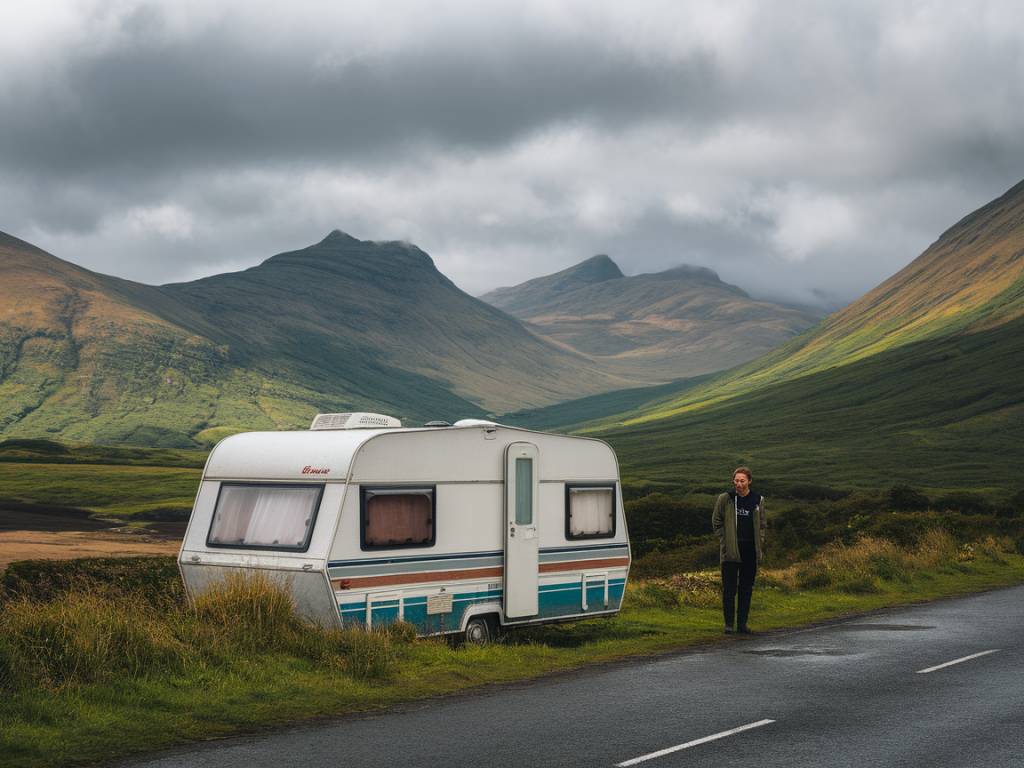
[{"x": 353, "y": 421}]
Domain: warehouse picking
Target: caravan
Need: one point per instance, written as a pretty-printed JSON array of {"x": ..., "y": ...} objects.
[{"x": 454, "y": 529}]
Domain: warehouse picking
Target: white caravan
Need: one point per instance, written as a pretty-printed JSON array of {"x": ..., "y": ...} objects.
[{"x": 451, "y": 528}]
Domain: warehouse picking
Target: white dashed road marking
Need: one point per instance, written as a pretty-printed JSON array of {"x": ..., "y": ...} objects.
[
  {"x": 957, "y": 661},
  {"x": 694, "y": 743}
]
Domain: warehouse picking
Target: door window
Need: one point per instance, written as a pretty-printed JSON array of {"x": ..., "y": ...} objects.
[{"x": 524, "y": 491}]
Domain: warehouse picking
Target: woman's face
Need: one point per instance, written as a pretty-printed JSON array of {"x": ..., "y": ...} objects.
[{"x": 741, "y": 482}]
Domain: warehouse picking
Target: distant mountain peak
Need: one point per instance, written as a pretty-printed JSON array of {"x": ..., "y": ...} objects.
[
  {"x": 338, "y": 237},
  {"x": 690, "y": 271},
  {"x": 596, "y": 269}
]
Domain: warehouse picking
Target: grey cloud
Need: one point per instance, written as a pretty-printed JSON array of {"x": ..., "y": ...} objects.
[{"x": 904, "y": 120}]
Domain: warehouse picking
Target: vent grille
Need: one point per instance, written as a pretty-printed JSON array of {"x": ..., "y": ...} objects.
[{"x": 353, "y": 421}]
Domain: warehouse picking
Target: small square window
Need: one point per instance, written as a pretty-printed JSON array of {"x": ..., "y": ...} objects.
[{"x": 397, "y": 517}]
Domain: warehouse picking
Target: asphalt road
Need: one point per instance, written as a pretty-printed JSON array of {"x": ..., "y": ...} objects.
[{"x": 847, "y": 694}]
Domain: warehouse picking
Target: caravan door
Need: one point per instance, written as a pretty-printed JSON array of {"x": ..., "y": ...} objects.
[{"x": 522, "y": 538}]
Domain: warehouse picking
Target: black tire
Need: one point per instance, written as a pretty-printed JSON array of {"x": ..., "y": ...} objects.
[{"x": 479, "y": 631}]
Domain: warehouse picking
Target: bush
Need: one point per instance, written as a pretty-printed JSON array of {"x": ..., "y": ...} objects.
[
  {"x": 905, "y": 498},
  {"x": 965, "y": 503},
  {"x": 660, "y": 516},
  {"x": 652, "y": 594},
  {"x": 853, "y": 568}
]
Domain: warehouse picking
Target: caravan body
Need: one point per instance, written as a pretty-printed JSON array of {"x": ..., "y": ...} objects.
[{"x": 433, "y": 526}]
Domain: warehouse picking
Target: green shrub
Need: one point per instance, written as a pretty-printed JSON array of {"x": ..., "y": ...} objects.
[
  {"x": 859, "y": 585},
  {"x": 905, "y": 498},
  {"x": 965, "y": 503},
  {"x": 367, "y": 654},
  {"x": 652, "y": 594}
]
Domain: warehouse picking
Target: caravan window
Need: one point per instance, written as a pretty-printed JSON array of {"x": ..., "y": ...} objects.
[
  {"x": 394, "y": 517},
  {"x": 264, "y": 516},
  {"x": 590, "y": 511}
]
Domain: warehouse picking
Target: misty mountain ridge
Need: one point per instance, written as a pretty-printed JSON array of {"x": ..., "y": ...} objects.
[{"x": 681, "y": 322}]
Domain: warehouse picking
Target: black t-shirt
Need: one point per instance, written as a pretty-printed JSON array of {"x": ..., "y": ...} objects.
[{"x": 745, "y": 506}]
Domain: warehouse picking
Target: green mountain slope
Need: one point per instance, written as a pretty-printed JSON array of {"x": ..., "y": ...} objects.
[
  {"x": 682, "y": 322},
  {"x": 970, "y": 279},
  {"x": 915, "y": 382},
  {"x": 341, "y": 325}
]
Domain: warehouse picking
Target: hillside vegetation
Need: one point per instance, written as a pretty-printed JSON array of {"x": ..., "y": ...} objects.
[
  {"x": 909, "y": 384},
  {"x": 341, "y": 325}
]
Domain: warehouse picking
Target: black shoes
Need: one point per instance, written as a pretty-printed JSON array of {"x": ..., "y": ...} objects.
[
  {"x": 730, "y": 631},
  {"x": 745, "y": 630}
]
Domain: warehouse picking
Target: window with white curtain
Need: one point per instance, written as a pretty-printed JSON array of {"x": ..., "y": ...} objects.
[
  {"x": 589, "y": 511},
  {"x": 253, "y": 516},
  {"x": 397, "y": 517}
]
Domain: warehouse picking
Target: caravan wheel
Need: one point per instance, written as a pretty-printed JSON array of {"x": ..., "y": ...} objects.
[{"x": 478, "y": 630}]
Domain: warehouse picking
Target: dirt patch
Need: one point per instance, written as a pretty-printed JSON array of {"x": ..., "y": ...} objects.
[
  {"x": 64, "y": 545},
  {"x": 38, "y": 518}
]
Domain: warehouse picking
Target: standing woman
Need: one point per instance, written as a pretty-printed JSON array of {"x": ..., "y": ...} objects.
[{"x": 739, "y": 521}]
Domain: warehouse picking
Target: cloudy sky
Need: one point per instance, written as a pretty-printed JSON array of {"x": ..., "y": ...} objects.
[{"x": 804, "y": 150}]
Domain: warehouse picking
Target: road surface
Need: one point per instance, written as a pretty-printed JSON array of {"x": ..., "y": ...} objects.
[{"x": 930, "y": 686}]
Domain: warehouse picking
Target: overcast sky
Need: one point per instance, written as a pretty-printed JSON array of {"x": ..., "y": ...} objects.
[{"x": 803, "y": 150}]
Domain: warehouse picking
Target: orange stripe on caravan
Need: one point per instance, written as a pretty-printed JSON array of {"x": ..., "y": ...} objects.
[
  {"x": 415, "y": 578},
  {"x": 575, "y": 565},
  {"x": 471, "y": 573}
]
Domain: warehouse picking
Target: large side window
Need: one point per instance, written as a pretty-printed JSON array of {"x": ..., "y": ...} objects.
[
  {"x": 264, "y": 516},
  {"x": 394, "y": 517},
  {"x": 590, "y": 511}
]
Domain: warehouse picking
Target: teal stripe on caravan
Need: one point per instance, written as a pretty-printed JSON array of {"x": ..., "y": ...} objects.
[{"x": 556, "y": 601}]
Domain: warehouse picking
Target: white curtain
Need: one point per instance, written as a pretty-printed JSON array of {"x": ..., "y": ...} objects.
[
  {"x": 264, "y": 516},
  {"x": 590, "y": 511}
]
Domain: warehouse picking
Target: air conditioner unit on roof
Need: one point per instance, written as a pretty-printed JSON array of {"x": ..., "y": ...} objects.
[{"x": 353, "y": 421}]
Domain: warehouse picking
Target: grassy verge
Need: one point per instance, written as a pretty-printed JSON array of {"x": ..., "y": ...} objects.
[{"x": 89, "y": 674}]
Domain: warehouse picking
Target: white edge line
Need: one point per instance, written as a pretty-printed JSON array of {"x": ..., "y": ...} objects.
[
  {"x": 957, "y": 661},
  {"x": 693, "y": 743}
]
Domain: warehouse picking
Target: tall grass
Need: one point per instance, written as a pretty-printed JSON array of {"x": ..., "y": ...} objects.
[
  {"x": 858, "y": 568},
  {"x": 862, "y": 566},
  {"x": 86, "y": 638}
]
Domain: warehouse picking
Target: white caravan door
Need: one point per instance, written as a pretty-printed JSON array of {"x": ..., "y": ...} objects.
[{"x": 522, "y": 539}]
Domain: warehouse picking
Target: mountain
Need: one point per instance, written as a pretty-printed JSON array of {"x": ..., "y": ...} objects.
[
  {"x": 682, "y": 322},
  {"x": 344, "y": 324},
  {"x": 914, "y": 383},
  {"x": 525, "y": 299}
]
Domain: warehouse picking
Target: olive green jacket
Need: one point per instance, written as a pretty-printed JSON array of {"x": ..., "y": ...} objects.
[{"x": 723, "y": 520}]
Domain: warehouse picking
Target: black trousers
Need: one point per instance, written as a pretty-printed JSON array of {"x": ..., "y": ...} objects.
[{"x": 738, "y": 585}]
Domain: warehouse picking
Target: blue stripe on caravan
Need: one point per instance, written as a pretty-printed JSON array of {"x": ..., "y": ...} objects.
[
  {"x": 414, "y": 558},
  {"x": 611, "y": 545}
]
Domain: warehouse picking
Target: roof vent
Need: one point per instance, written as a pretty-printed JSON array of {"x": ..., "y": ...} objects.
[
  {"x": 437, "y": 424},
  {"x": 353, "y": 421},
  {"x": 474, "y": 423}
]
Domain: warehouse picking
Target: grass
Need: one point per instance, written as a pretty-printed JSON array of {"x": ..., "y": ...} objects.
[
  {"x": 939, "y": 414},
  {"x": 92, "y": 676},
  {"x": 105, "y": 489}
]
